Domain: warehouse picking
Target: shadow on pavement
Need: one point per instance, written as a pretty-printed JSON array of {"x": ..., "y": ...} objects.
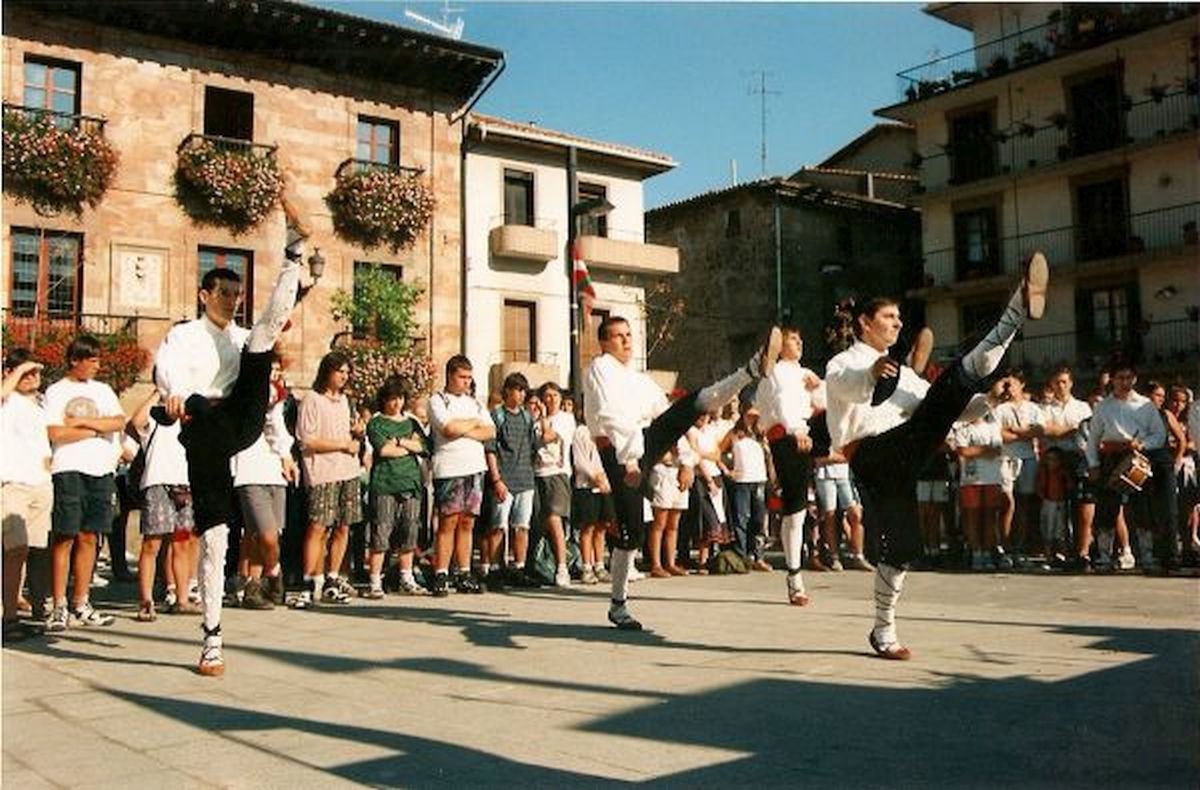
[{"x": 968, "y": 731}]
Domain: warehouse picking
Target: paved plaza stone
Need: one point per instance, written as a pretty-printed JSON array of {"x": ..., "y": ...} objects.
[{"x": 1017, "y": 681}]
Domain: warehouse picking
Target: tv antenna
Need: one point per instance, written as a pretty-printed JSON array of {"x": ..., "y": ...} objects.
[
  {"x": 452, "y": 29},
  {"x": 762, "y": 92}
]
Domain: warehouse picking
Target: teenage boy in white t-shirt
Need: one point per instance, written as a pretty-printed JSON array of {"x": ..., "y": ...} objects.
[
  {"x": 85, "y": 422},
  {"x": 459, "y": 425}
]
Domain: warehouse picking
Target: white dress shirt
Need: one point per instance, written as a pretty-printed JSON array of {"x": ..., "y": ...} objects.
[
  {"x": 200, "y": 357},
  {"x": 783, "y": 398},
  {"x": 1117, "y": 420},
  {"x": 619, "y": 403},
  {"x": 850, "y": 382}
]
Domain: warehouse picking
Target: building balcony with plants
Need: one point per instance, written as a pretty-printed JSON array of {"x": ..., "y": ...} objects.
[
  {"x": 1166, "y": 112},
  {"x": 57, "y": 162},
  {"x": 1074, "y": 28}
]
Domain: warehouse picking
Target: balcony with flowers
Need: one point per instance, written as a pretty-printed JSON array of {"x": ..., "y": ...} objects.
[
  {"x": 376, "y": 204},
  {"x": 56, "y": 161},
  {"x": 226, "y": 182}
]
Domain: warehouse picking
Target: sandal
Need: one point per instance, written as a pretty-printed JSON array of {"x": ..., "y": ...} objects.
[
  {"x": 797, "y": 596},
  {"x": 212, "y": 661},
  {"x": 146, "y": 613},
  {"x": 892, "y": 651}
]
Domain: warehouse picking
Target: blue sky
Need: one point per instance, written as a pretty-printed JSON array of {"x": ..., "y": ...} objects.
[{"x": 678, "y": 78}]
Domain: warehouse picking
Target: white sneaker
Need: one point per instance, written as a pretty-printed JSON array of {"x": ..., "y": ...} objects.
[
  {"x": 87, "y": 616},
  {"x": 58, "y": 619},
  {"x": 1125, "y": 561},
  {"x": 635, "y": 575}
]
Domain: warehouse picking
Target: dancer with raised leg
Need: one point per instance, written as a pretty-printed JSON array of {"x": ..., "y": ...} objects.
[
  {"x": 215, "y": 378},
  {"x": 633, "y": 427},
  {"x": 887, "y": 443}
]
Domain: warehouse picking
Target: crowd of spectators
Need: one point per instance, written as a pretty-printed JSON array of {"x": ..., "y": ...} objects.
[{"x": 413, "y": 494}]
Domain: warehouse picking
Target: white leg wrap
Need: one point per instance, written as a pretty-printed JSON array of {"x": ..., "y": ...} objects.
[
  {"x": 889, "y": 582},
  {"x": 213, "y": 545},
  {"x": 791, "y": 534},
  {"x": 622, "y": 561},
  {"x": 269, "y": 326},
  {"x": 717, "y": 394}
]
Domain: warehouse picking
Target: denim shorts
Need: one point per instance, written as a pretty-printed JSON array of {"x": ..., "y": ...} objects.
[
  {"x": 837, "y": 494},
  {"x": 515, "y": 511}
]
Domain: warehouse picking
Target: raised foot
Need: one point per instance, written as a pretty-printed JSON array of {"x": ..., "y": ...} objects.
[{"x": 1037, "y": 279}]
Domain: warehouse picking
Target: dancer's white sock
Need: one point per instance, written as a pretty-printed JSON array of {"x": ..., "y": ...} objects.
[
  {"x": 213, "y": 545},
  {"x": 791, "y": 534},
  {"x": 621, "y": 561},
  {"x": 267, "y": 328},
  {"x": 981, "y": 361},
  {"x": 717, "y": 394},
  {"x": 889, "y": 582}
]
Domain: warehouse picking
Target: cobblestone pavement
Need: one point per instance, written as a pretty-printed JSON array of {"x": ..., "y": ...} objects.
[{"x": 1017, "y": 681}]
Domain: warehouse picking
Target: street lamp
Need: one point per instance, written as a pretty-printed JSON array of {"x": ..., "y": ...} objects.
[{"x": 576, "y": 208}]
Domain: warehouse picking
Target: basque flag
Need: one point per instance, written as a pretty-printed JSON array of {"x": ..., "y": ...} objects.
[{"x": 583, "y": 282}]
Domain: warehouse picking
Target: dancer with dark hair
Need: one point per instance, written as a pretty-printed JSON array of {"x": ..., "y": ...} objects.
[
  {"x": 633, "y": 427},
  {"x": 888, "y": 442},
  {"x": 215, "y": 378}
]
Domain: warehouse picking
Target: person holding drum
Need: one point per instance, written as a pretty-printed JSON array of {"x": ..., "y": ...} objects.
[{"x": 1124, "y": 426}]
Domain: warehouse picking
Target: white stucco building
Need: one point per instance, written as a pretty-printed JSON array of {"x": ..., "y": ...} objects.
[
  {"x": 1069, "y": 128},
  {"x": 517, "y": 267}
]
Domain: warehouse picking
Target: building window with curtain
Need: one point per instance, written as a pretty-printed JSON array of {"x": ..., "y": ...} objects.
[
  {"x": 46, "y": 274},
  {"x": 240, "y": 261},
  {"x": 378, "y": 141},
  {"x": 518, "y": 198}
]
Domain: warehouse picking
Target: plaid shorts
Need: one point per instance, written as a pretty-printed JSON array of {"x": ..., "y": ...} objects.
[{"x": 334, "y": 504}]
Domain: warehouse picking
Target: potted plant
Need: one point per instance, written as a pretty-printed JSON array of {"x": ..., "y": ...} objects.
[
  {"x": 999, "y": 65},
  {"x": 1190, "y": 236},
  {"x": 381, "y": 343},
  {"x": 122, "y": 359},
  {"x": 1058, "y": 119},
  {"x": 56, "y": 163},
  {"x": 226, "y": 183},
  {"x": 380, "y": 206},
  {"x": 1027, "y": 129}
]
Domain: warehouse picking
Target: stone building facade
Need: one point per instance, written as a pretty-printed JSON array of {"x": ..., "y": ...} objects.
[
  {"x": 315, "y": 89},
  {"x": 783, "y": 250}
]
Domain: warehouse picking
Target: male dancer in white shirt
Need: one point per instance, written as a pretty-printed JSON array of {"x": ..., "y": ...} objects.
[
  {"x": 628, "y": 415},
  {"x": 888, "y": 443},
  {"x": 215, "y": 377}
]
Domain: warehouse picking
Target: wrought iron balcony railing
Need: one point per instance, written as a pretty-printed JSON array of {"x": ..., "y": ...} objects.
[
  {"x": 1029, "y": 145},
  {"x": 366, "y": 165},
  {"x": 1081, "y": 27},
  {"x": 1155, "y": 344},
  {"x": 1164, "y": 229},
  {"x": 228, "y": 145},
  {"x": 63, "y": 120}
]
